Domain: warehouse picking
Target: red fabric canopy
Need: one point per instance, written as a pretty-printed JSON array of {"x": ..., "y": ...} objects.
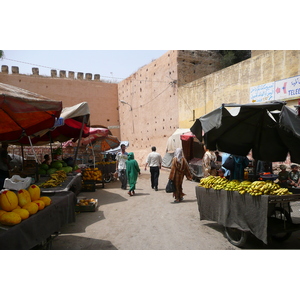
[
  {"x": 71, "y": 129},
  {"x": 187, "y": 136},
  {"x": 25, "y": 113},
  {"x": 94, "y": 134}
]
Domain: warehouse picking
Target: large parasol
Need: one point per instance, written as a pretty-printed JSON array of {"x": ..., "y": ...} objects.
[
  {"x": 23, "y": 113},
  {"x": 103, "y": 144},
  {"x": 94, "y": 134},
  {"x": 271, "y": 130}
]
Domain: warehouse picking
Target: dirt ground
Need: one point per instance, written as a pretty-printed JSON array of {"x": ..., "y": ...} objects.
[{"x": 148, "y": 221}]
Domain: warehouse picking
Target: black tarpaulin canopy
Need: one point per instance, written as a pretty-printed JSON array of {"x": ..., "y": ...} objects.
[{"x": 271, "y": 130}]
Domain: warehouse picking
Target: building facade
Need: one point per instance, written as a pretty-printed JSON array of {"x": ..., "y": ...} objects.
[
  {"x": 170, "y": 92},
  {"x": 102, "y": 97}
]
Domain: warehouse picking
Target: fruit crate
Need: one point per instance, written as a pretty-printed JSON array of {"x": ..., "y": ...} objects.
[
  {"x": 86, "y": 205},
  {"x": 88, "y": 186}
]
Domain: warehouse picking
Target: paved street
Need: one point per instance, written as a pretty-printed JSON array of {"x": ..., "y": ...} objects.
[{"x": 150, "y": 221}]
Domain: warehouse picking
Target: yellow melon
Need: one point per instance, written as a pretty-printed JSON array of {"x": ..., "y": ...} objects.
[
  {"x": 8, "y": 200},
  {"x": 46, "y": 200},
  {"x": 34, "y": 191},
  {"x": 31, "y": 207},
  {"x": 2, "y": 212},
  {"x": 10, "y": 218},
  {"x": 23, "y": 213},
  {"x": 40, "y": 204},
  {"x": 23, "y": 197}
]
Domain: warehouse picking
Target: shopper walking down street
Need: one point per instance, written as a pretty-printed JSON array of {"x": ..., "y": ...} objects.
[
  {"x": 121, "y": 159},
  {"x": 179, "y": 169},
  {"x": 132, "y": 172},
  {"x": 154, "y": 160}
]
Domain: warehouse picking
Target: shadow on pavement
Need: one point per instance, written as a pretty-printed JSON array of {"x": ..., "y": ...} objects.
[
  {"x": 186, "y": 201},
  {"x": 82, "y": 222},
  {"x": 254, "y": 243},
  {"x": 85, "y": 219},
  {"x": 104, "y": 197},
  {"x": 65, "y": 242}
]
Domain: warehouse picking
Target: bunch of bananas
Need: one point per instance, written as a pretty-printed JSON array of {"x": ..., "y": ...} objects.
[
  {"x": 220, "y": 183},
  {"x": 244, "y": 186},
  {"x": 255, "y": 188},
  {"x": 267, "y": 188},
  {"x": 208, "y": 182},
  {"x": 56, "y": 179},
  {"x": 232, "y": 185}
]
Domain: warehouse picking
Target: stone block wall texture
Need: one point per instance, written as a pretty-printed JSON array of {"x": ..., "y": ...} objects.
[
  {"x": 153, "y": 98},
  {"x": 232, "y": 85},
  {"x": 102, "y": 97},
  {"x": 194, "y": 64},
  {"x": 166, "y": 94},
  {"x": 152, "y": 92}
]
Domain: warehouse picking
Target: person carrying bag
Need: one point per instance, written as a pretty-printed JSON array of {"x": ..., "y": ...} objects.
[
  {"x": 170, "y": 188},
  {"x": 179, "y": 169}
]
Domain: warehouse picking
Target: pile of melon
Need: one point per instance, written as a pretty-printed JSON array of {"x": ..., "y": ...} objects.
[
  {"x": 57, "y": 165},
  {"x": 18, "y": 206}
]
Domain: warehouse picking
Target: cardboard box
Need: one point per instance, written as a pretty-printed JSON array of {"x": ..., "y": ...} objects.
[
  {"x": 91, "y": 207},
  {"x": 88, "y": 186}
]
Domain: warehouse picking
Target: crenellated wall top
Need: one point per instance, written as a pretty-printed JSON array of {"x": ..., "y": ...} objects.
[{"x": 54, "y": 73}]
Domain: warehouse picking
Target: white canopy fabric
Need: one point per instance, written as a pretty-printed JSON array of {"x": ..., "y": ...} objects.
[
  {"x": 174, "y": 140},
  {"x": 77, "y": 110},
  {"x": 117, "y": 149}
]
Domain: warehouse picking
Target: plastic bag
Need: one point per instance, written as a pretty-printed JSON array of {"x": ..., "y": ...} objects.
[{"x": 170, "y": 188}]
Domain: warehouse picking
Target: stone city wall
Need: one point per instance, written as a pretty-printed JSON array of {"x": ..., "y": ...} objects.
[
  {"x": 152, "y": 113},
  {"x": 232, "y": 84},
  {"x": 102, "y": 97}
]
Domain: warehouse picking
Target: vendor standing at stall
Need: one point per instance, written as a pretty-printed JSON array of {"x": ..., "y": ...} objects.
[
  {"x": 4, "y": 164},
  {"x": 283, "y": 176},
  {"x": 293, "y": 178},
  {"x": 47, "y": 160},
  {"x": 209, "y": 163},
  {"x": 240, "y": 163}
]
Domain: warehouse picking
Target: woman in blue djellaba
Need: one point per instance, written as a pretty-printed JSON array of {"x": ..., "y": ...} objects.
[{"x": 132, "y": 172}]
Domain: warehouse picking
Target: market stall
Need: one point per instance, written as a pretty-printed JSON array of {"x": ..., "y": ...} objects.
[
  {"x": 271, "y": 132},
  {"x": 26, "y": 119},
  {"x": 96, "y": 146},
  {"x": 72, "y": 183},
  {"x": 193, "y": 151},
  {"x": 246, "y": 213},
  {"x": 40, "y": 226},
  {"x": 23, "y": 113},
  {"x": 173, "y": 142}
]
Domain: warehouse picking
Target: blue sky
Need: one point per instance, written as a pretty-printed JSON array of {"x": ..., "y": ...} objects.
[{"x": 110, "y": 64}]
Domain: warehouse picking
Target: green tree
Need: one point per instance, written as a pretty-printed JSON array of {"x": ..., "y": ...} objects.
[
  {"x": 231, "y": 57},
  {"x": 1, "y": 53}
]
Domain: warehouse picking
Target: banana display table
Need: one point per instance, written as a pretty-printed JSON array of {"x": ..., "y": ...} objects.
[
  {"x": 263, "y": 215},
  {"x": 72, "y": 183},
  {"x": 40, "y": 226}
]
